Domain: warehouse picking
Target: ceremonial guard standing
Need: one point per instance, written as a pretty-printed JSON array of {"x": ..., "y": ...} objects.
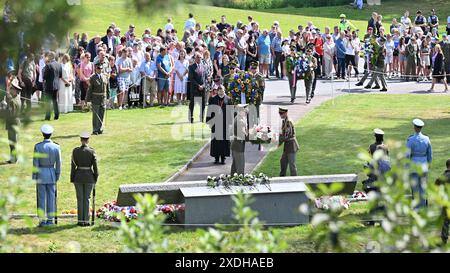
[
  {"x": 217, "y": 119},
  {"x": 98, "y": 88},
  {"x": 12, "y": 118},
  {"x": 47, "y": 165},
  {"x": 240, "y": 135},
  {"x": 84, "y": 175},
  {"x": 420, "y": 153},
  {"x": 287, "y": 136}
]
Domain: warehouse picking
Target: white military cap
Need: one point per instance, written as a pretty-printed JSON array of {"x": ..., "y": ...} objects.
[
  {"x": 418, "y": 122},
  {"x": 242, "y": 105},
  {"x": 85, "y": 134},
  {"x": 47, "y": 129},
  {"x": 378, "y": 131}
]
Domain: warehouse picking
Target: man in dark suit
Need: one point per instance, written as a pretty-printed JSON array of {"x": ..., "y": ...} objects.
[
  {"x": 197, "y": 86},
  {"x": 110, "y": 41},
  {"x": 93, "y": 46},
  {"x": 52, "y": 73}
]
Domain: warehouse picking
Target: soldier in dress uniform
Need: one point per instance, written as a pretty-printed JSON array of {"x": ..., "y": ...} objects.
[
  {"x": 287, "y": 136},
  {"x": 47, "y": 165},
  {"x": 259, "y": 77},
  {"x": 12, "y": 118},
  {"x": 240, "y": 135},
  {"x": 96, "y": 94},
  {"x": 226, "y": 78},
  {"x": 383, "y": 165},
  {"x": 84, "y": 175},
  {"x": 420, "y": 153}
]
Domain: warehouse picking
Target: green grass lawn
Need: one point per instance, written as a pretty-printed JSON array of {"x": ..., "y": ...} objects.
[
  {"x": 95, "y": 20},
  {"x": 98, "y": 14},
  {"x": 103, "y": 237},
  {"x": 332, "y": 135},
  {"x": 139, "y": 145}
]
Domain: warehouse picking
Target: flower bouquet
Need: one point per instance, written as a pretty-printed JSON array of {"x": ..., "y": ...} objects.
[
  {"x": 261, "y": 134},
  {"x": 237, "y": 180},
  {"x": 334, "y": 203},
  {"x": 171, "y": 211},
  {"x": 111, "y": 212}
]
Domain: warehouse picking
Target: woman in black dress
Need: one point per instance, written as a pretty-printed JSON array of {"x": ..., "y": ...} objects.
[
  {"x": 252, "y": 52},
  {"x": 438, "y": 68},
  {"x": 217, "y": 116}
]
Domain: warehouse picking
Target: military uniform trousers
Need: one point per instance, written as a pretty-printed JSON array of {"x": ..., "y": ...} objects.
[
  {"x": 366, "y": 74},
  {"x": 418, "y": 188},
  {"x": 288, "y": 159},
  {"x": 238, "y": 154},
  {"x": 83, "y": 191},
  {"x": 378, "y": 75},
  {"x": 46, "y": 203},
  {"x": 13, "y": 138},
  {"x": 98, "y": 114},
  {"x": 308, "y": 87},
  {"x": 292, "y": 85}
]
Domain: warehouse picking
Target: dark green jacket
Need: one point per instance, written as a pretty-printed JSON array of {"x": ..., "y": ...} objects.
[
  {"x": 98, "y": 89},
  {"x": 84, "y": 165}
]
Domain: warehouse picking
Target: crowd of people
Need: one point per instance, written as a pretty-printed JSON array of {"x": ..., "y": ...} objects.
[{"x": 148, "y": 68}]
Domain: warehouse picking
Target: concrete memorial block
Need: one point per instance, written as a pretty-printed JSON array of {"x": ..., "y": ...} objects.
[
  {"x": 348, "y": 180},
  {"x": 170, "y": 193},
  {"x": 276, "y": 204}
]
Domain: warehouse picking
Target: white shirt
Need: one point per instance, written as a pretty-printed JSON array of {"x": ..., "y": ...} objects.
[
  {"x": 41, "y": 69},
  {"x": 190, "y": 23},
  {"x": 349, "y": 47},
  {"x": 448, "y": 20},
  {"x": 389, "y": 47},
  {"x": 168, "y": 26}
]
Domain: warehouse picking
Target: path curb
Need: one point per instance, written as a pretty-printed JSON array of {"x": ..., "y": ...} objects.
[{"x": 189, "y": 163}]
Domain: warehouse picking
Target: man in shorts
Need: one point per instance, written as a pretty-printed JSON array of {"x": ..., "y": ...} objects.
[
  {"x": 164, "y": 70},
  {"x": 264, "y": 52}
]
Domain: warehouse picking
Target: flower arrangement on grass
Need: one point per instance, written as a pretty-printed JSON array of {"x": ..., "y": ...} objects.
[
  {"x": 111, "y": 212},
  {"x": 261, "y": 134},
  {"x": 227, "y": 181},
  {"x": 335, "y": 203},
  {"x": 243, "y": 82}
]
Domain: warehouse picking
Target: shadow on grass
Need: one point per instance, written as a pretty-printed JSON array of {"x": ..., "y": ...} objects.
[
  {"x": 41, "y": 230},
  {"x": 66, "y": 137}
]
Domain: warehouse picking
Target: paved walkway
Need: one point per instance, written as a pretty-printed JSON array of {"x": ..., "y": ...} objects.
[{"x": 276, "y": 94}]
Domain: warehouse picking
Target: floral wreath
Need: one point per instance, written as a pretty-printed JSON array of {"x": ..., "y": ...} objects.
[{"x": 244, "y": 82}]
